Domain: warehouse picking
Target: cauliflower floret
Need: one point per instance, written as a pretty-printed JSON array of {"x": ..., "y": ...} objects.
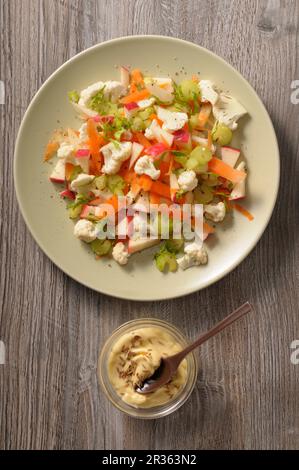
[
  {"x": 143, "y": 104},
  {"x": 83, "y": 136},
  {"x": 149, "y": 133},
  {"x": 215, "y": 212},
  {"x": 112, "y": 91},
  {"x": 195, "y": 255},
  {"x": 89, "y": 92},
  {"x": 66, "y": 151},
  {"x": 145, "y": 166},
  {"x": 85, "y": 230},
  {"x": 207, "y": 92},
  {"x": 172, "y": 121},
  {"x": 82, "y": 180},
  {"x": 187, "y": 180},
  {"x": 228, "y": 110},
  {"x": 120, "y": 253},
  {"x": 115, "y": 156}
]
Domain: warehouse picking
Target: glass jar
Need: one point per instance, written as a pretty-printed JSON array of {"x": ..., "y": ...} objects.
[{"x": 157, "y": 411}]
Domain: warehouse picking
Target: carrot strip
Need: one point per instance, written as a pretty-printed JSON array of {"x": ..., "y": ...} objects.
[
  {"x": 127, "y": 174},
  {"x": 50, "y": 150},
  {"x": 207, "y": 228},
  {"x": 136, "y": 77},
  {"x": 241, "y": 209},
  {"x": 113, "y": 201},
  {"x": 161, "y": 189},
  {"x": 95, "y": 141},
  {"x": 154, "y": 198},
  {"x": 220, "y": 168},
  {"x": 136, "y": 96},
  {"x": 68, "y": 170},
  {"x": 154, "y": 116},
  {"x": 170, "y": 165},
  {"x": 204, "y": 114},
  {"x": 145, "y": 182},
  {"x": 142, "y": 139}
]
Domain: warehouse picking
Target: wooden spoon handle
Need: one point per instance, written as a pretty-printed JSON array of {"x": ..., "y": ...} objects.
[{"x": 232, "y": 317}]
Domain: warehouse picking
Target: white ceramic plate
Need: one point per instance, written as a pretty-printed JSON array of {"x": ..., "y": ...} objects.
[{"x": 46, "y": 216}]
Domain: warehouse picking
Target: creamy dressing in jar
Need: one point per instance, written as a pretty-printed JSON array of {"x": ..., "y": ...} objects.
[{"x": 135, "y": 357}]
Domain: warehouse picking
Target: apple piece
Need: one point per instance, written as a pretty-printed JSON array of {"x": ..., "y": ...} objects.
[
  {"x": 67, "y": 194},
  {"x": 83, "y": 161},
  {"x": 230, "y": 155},
  {"x": 58, "y": 174},
  {"x": 142, "y": 203},
  {"x": 136, "y": 151},
  {"x": 160, "y": 134},
  {"x": 164, "y": 95},
  {"x": 141, "y": 244},
  {"x": 124, "y": 76},
  {"x": 239, "y": 190}
]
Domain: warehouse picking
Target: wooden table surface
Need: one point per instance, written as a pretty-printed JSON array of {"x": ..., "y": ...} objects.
[{"x": 247, "y": 395}]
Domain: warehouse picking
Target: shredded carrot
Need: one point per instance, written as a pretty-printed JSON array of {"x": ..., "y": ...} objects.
[
  {"x": 241, "y": 209},
  {"x": 204, "y": 114},
  {"x": 220, "y": 168},
  {"x": 154, "y": 116},
  {"x": 95, "y": 141},
  {"x": 154, "y": 198},
  {"x": 207, "y": 228},
  {"x": 50, "y": 150},
  {"x": 161, "y": 188},
  {"x": 136, "y": 96},
  {"x": 145, "y": 182},
  {"x": 113, "y": 201},
  {"x": 164, "y": 169},
  {"x": 170, "y": 165},
  {"x": 133, "y": 88},
  {"x": 68, "y": 170},
  {"x": 195, "y": 78},
  {"x": 142, "y": 139},
  {"x": 127, "y": 174},
  {"x": 136, "y": 77}
]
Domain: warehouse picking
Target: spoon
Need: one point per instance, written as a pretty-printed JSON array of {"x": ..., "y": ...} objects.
[{"x": 168, "y": 365}]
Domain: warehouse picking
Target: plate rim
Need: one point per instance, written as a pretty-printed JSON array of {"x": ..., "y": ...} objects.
[{"x": 187, "y": 291}]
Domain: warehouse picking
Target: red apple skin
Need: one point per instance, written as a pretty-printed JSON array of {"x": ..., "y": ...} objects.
[
  {"x": 67, "y": 194},
  {"x": 56, "y": 180},
  {"x": 237, "y": 198}
]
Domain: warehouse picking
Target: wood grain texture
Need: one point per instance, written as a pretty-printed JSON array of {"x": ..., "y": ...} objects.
[{"x": 247, "y": 394}]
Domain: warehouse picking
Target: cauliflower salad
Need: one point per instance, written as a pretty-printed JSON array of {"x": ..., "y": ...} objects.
[{"x": 149, "y": 140}]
